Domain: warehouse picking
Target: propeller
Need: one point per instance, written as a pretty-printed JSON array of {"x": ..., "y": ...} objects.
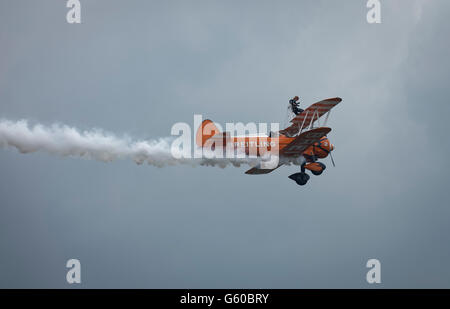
[
  {"x": 331, "y": 156},
  {"x": 332, "y": 161}
]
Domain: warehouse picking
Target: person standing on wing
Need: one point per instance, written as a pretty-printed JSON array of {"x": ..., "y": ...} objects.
[{"x": 294, "y": 105}]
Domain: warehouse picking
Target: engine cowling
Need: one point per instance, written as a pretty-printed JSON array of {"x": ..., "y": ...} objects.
[{"x": 321, "y": 149}]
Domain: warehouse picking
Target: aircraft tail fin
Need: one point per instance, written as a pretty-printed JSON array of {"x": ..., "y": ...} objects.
[{"x": 205, "y": 131}]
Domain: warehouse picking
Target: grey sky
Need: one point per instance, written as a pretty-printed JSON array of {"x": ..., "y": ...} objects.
[{"x": 137, "y": 67}]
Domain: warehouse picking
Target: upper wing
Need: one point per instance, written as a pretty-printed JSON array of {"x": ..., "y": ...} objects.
[
  {"x": 303, "y": 141},
  {"x": 311, "y": 114}
]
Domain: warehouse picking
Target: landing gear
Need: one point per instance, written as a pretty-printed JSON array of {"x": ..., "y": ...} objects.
[
  {"x": 317, "y": 173},
  {"x": 300, "y": 178}
]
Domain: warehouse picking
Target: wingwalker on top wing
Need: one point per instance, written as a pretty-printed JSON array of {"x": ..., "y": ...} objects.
[{"x": 301, "y": 143}]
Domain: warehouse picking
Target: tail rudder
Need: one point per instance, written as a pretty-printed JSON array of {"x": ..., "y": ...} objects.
[{"x": 205, "y": 131}]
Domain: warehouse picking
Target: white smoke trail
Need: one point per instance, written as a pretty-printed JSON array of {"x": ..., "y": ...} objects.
[{"x": 96, "y": 144}]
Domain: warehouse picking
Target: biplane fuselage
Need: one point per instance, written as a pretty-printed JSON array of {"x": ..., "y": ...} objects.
[{"x": 260, "y": 145}]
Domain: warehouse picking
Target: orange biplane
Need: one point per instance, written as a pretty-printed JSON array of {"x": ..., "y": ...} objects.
[{"x": 301, "y": 143}]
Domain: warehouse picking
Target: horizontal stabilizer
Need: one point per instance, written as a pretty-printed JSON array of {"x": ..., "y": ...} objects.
[{"x": 259, "y": 171}]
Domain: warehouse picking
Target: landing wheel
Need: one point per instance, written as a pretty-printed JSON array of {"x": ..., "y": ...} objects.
[
  {"x": 321, "y": 171},
  {"x": 300, "y": 178}
]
